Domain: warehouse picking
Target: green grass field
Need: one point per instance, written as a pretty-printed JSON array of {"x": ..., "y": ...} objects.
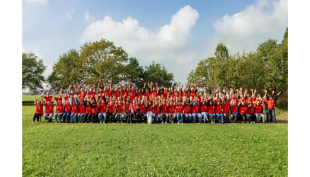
[{"x": 51, "y": 149}]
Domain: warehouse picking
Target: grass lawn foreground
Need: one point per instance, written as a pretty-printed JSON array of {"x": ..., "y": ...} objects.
[{"x": 51, "y": 149}]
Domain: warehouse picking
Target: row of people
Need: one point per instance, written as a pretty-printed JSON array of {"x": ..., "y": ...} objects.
[{"x": 224, "y": 106}]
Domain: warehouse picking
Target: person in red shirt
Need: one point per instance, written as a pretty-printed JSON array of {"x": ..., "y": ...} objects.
[
  {"x": 242, "y": 110},
  {"x": 127, "y": 111},
  {"x": 149, "y": 109},
  {"x": 75, "y": 110},
  {"x": 142, "y": 110},
  {"x": 195, "y": 104},
  {"x": 91, "y": 94},
  {"x": 103, "y": 109},
  {"x": 187, "y": 110},
  {"x": 82, "y": 93},
  {"x": 258, "y": 107},
  {"x": 59, "y": 110},
  {"x": 111, "y": 111},
  {"x": 171, "y": 111},
  {"x": 82, "y": 109},
  {"x": 156, "y": 112},
  {"x": 38, "y": 111},
  {"x": 219, "y": 111},
  {"x": 179, "y": 112},
  {"x": 49, "y": 111},
  {"x": 163, "y": 110},
  {"x": 204, "y": 110},
  {"x": 119, "y": 111},
  {"x": 47, "y": 97},
  {"x": 226, "y": 111},
  {"x": 67, "y": 112},
  {"x": 88, "y": 112},
  {"x": 271, "y": 104},
  {"x": 135, "y": 109},
  {"x": 211, "y": 110},
  {"x": 250, "y": 114}
]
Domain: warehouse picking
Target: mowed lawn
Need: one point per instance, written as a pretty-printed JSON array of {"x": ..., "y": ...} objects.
[{"x": 51, "y": 149}]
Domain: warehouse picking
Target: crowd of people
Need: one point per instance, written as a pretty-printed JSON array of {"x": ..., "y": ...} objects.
[{"x": 107, "y": 104}]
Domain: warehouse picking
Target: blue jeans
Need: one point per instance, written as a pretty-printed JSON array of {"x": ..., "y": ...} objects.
[
  {"x": 74, "y": 118},
  {"x": 66, "y": 114},
  {"x": 194, "y": 117},
  {"x": 104, "y": 115},
  {"x": 49, "y": 116},
  {"x": 272, "y": 115},
  {"x": 220, "y": 117},
  {"x": 117, "y": 115},
  {"x": 179, "y": 117},
  {"x": 248, "y": 116},
  {"x": 58, "y": 115},
  {"x": 156, "y": 115},
  {"x": 188, "y": 117},
  {"x": 212, "y": 116},
  {"x": 205, "y": 116},
  {"x": 80, "y": 116},
  {"x": 268, "y": 115},
  {"x": 261, "y": 115}
]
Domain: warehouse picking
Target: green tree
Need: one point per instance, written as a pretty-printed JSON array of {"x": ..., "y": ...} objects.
[
  {"x": 68, "y": 69},
  {"x": 32, "y": 71},
  {"x": 157, "y": 73},
  {"x": 104, "y": 61}
]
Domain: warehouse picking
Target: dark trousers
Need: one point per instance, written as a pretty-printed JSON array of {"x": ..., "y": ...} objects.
[
  {"x": 94, "y": 117},
  {"x": 87, "y": 117},
  {"x": 112, "y": 117},
  {"x": 129, "y": 118},
  {"x": 37, "y": 116}
]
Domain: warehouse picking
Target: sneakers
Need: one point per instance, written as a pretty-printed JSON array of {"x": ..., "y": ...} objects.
[
  {"x": 242, "y": 122},
  {"x": 121, "y": 121},
  {"x": 178, "y": 122},
  {"x": 117, "y": 122},
  {"x": 162, "y": 122},
  {"x": 166, "y": 122}
]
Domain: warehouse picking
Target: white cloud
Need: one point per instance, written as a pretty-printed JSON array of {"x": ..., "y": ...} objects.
[
  {"x": 244, "y": 30},
  {"x": 69, "y": 13},
  {"x": 88, "y": 16},
  {"x": 167, "y": 43},
  {"x": 36, "y": 1},
  {"x": 48, "y": 71}
]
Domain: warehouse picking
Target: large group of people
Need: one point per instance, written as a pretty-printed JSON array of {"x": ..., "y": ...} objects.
[{"x": 115, "y": 104}]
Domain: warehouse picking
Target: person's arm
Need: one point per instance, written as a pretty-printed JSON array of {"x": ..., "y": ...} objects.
[
  {"x": 76, "y": 100},
  {"x": 276, "y": 97}
]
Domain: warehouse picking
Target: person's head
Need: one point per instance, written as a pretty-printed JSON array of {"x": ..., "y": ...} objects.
[
  {"x": 67, "y": 101},
  {"x": 73, "y": 102},
  {"x": 270, "y": 98},
  {"x": 82, "y": 89},
  {"x": 133, "y": 88},
  {"x": 102, "y": 101},
  {"x": 242, "y": 103},
  {"x": 38, "y": 102},
  {"x": 171, "y": 103},
  {"x": 49, "y": 103},
  {"x": 91, "y": 89},
  {"x": 175, "y": 89},
  {"x": 87, "y": 103},
  {"x": 210, "y": 102},
  {"x": 127, "y": 102},
  {"x": 149, "y": 103},
  {"x": 72, "y": 92},
  {"x": 47, "y": 93}
]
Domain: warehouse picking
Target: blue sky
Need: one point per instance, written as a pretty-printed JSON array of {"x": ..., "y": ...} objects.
[{"x": 177, "y": 34}]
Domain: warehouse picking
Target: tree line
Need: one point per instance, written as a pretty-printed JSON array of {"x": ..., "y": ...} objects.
[{"x": 265, "y": 68}]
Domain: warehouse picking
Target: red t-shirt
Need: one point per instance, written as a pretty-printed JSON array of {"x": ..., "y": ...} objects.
[
  {"x": 211, "y": 109},
  {"x": 100, "y": 94},
  {"x": 67, "y": 108},
  {"x": 119, "y": 108},
  {"x": 142, "y": 108},
  {"x": 58, "y": 99},
  {"x": 59, "y": 108},
  {"x": 242, "y": 109},
  {"x": 234, "y": 109},
  {"x": 192, "y": 94},
  {"x": 47, "y": 98},
  {"x": 175, "y": 94},
  {"x": 179, "y": 109},
  {"x": 149, "y": 108},
  {"x": 91, "y": 95},
  {"x": 154, "y": 93},
  {"x": 127, "y": 108},
  {"x": 116, "y": 94},
  {"x": 225, "y": 108},
  {"x": 148, "y": 95},
  {"x": 88, "y": 109},
  {"x": 75, "y": 109},
  {"x": 164, "y": 108},
  {"x": 156, "y": 109},
  {"x": 270, "y": 104},
  {"x": 187, "y": 109},
  {"x": 124, "y": 93},
  {"x": 184, "y": 94},
  {"x": 139, "y": 95},
  {"x": 258, "y": 108},
  {"x": 132, "y": 94},
  {"x": 134, "y": 108},
  {"x": 204, "y": 108},
  {"x": 82, "y": 94},
  {"x": 218, "y": 109},
  {"x": 102, "y": 107},
  {"x": 49, "y": 109},
  {"x": 111, "y": 108},
  {"x": 82, "y": 108},
  {"x": 195, "y": 108},
  {"x": 108, "y": 93},
  {"x": 39, "y": 109},
  {"x": 171, "y": 109}
]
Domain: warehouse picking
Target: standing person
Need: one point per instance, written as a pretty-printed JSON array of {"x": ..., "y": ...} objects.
[
  {"x": 195, "y": 109},
  {"x": 149, "y": 112},
  {"x": 103, "y": 109},
  {"x": 179, "y": 112},
  {"x": 258, "y": 111},
  {"x": 204, "y": 110},
  {"x": 171, "y": 111},
  {"x": 132, "y": 92},
  {"x": 270, "y": 105},
  {"x": 38, "y": 111}
]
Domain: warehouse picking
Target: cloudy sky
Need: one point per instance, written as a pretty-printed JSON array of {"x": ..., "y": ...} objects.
[{"x": 177, "y": 34}]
